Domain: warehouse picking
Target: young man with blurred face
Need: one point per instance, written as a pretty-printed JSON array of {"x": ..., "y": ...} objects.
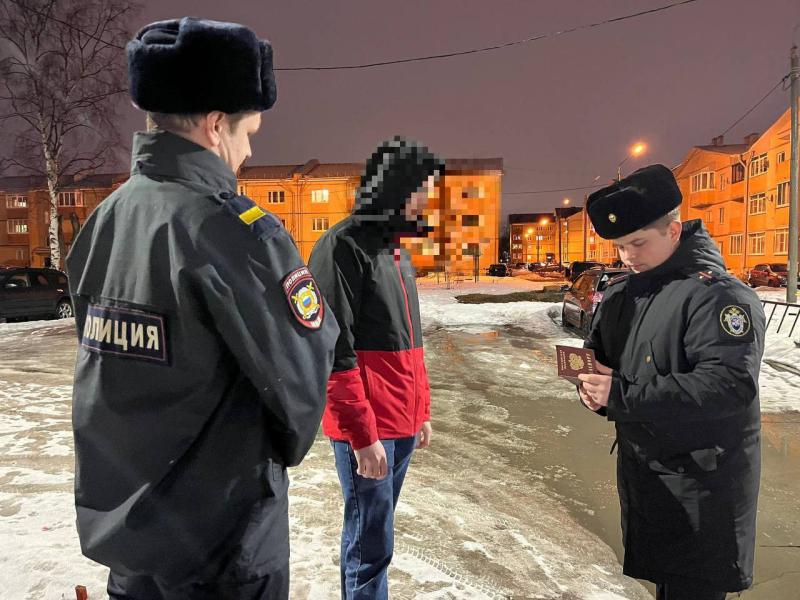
[
  {"x": 378, "y": 407},
  {"x": 678, "y": 345}
]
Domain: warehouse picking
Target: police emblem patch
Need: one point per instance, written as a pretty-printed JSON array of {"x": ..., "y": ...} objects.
[
  {"x": 735, "y": 322},
  {"x": 304, "y": 298},
  {"x": 612, "y": 217}
]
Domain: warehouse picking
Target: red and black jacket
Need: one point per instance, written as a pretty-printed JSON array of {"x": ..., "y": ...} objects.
[{"x": 379, "y": 386}]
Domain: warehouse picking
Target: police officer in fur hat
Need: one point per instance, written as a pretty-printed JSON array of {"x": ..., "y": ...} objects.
[
  {"x": 205, "y": 345},
  {"x": 679, "y": 344}
]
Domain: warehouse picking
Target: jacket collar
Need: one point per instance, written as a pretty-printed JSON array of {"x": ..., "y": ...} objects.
[{"x": 165, "y": 154}]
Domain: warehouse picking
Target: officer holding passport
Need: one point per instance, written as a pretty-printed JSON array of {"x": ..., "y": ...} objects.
[{"x": 678, "y": 347}]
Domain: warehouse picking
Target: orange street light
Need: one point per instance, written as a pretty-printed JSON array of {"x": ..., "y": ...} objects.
[
  {"x": 637, "y": 149},
  {"x": 566, "y": 201},
  {"x": 544, "y": 221}
]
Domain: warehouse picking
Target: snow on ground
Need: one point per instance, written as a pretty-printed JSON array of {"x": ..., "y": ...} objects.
[
  {"x": 43, "y": 559},
  {"x": 456, "y": 539}
]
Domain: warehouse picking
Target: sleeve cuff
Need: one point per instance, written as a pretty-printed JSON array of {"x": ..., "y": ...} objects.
[{"x": 615, "y": 405}]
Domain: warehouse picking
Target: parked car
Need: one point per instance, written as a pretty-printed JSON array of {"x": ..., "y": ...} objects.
[
  {"x": 769, "y": 274},
  {"x": 582, "y": 298},
  {"x": 535, "y": 266},
  {"x": 520, "y": 265},
  {"x": 34, "y": 293},
  {"x": 498, "y": 270},
  {"x": 579, "y": 266}
]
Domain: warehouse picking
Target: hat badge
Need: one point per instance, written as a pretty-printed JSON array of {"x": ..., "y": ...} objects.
[{"x": 612, "y": 217}]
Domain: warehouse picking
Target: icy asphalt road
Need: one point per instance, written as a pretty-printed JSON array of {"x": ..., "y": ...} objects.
[{"x": 514, "y": 499}]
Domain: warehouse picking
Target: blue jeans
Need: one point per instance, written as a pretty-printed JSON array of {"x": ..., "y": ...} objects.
[{"x": 368, "y": 530}]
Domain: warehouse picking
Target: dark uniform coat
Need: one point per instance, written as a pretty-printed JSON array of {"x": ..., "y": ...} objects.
[
  {"x": 685, "y": 342},
  {"x": 204, "y": 356}
]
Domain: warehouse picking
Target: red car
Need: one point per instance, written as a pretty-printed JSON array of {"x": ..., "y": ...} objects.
[
  {"x": 584, "y": 296},
  {"x": 768, "y": 274}
]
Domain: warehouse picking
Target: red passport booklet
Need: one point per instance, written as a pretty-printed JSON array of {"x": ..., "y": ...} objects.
[{"x": 574, "y": 361}]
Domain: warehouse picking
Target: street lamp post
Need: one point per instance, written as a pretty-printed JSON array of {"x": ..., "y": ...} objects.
[{"x": 637, "y": 150}]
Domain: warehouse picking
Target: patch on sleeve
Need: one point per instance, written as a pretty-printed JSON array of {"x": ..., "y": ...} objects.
[
  {"x": 261, "y": 222},
  {"x": 304, "y": 298},
  {"x": 126, "y": 333},
  {"x": 735, "y": 323}
]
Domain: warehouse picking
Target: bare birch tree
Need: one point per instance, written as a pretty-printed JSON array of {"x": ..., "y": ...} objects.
[{"x": 62, "y": 78}]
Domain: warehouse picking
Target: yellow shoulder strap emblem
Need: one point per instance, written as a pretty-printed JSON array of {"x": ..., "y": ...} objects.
[{"x": 251, "y": 215}]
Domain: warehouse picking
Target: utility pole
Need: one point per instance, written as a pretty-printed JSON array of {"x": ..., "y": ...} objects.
[
  {"x": 794, "y": 232},
  {"x": 746, "y": 166}
]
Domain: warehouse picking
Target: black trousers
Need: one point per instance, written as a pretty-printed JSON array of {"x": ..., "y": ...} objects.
[
  {"x": 274, "y": 586},
  {"x": 687, "y": 590}
]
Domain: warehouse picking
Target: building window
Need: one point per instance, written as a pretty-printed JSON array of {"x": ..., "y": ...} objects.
[
  {"x": 319, "y": 196},
  {"x": 736, "y": 243},
  {"x": 721, "y": 246},
  {"x": 757, "y": 205},
  {"x": 70, "y": 199},
  {"x": 16, "y": 201},
  {"x": 276, "y": 197},
  {"x": 472, "y": 191},
  {"x": 20, "y": 254},
  {"x": 703, "y": 181},
  {"x": 723, "y": 182},
  {"x": 759, "y": 165},
  {"x": 780, "y": 157},
  {"x": 283, "y": 222},
  {"x": 737, "y": 173},
  {"x": 781, "y": 241},
  {"x": 17, "y": 226},
  {"x": 470, "y": 220},
  {"x": 241, "y": 191},
  {"x": 321, "y": 224},
  {"x": 755, "y": 243},
  {"x": 722, "y": 214},
  {"x": 709, "y": 216},
  {"x": 783, "y": 194}
]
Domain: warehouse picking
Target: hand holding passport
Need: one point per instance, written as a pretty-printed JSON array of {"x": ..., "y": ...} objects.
[{"x": 575, "y": 361}]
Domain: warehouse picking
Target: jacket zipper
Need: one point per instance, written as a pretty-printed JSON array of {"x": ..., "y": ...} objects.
[{"x": 411, "y": 331}]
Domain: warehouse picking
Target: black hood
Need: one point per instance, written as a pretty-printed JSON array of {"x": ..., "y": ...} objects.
[
  {"x": 696, "y": 252},
  {"x": 397, "y": 169}
]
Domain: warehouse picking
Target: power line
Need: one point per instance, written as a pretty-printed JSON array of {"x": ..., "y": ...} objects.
[
  {"x": 756, "y": 105},
  {"x": 492, "y": 48},
  {"x": 407, "y": 60},
  {"x": 587, "y": 187}
]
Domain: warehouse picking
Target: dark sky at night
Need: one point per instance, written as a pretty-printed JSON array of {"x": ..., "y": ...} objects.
[{"x": 560, "y": 112}]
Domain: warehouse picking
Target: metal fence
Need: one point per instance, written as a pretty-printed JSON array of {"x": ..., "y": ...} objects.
[{"x": 782, "y": 314}]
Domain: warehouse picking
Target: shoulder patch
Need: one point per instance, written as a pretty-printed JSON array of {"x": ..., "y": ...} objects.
[
  {"x": 735, "y": 323},
  {"x": 305, "y": 300},
  {"x": 261, "y": 222},
  {"x": 125, "y": 333}
]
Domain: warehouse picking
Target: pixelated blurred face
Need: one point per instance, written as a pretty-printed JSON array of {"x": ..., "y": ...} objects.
[
  {"x": 234, "y": 139},
  {"x": 646, "y": 249},
  {"x": 418, "y": 201}
]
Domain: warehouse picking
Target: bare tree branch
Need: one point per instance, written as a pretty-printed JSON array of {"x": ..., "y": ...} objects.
[{"x": 62, "y": 71}]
